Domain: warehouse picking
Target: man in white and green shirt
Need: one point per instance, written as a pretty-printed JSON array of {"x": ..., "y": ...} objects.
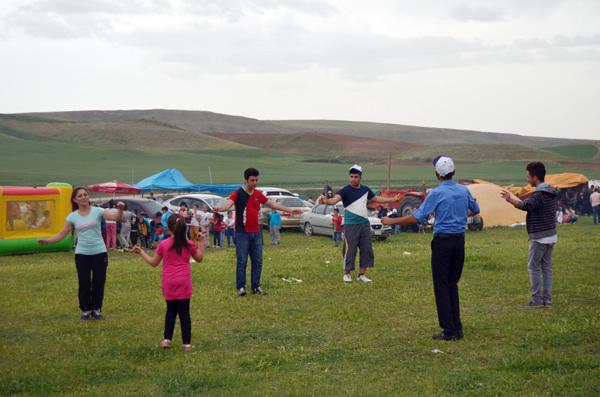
[{"x": 357, "y": 228}]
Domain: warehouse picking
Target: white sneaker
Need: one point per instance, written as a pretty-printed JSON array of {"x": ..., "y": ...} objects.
[
  {"x": 347, "y": 278},
  {"x": 363, "y": 279}
]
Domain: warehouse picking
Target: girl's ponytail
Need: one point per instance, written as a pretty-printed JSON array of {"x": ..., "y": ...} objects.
[{"x": 176, "y": 224}]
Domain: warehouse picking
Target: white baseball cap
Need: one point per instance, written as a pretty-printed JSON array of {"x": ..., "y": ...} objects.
[
  {"x": 443, "y": 165},
  {"x": 356, "y": 167}
]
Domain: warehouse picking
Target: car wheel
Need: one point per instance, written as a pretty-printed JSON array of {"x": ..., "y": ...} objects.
[
  {"x": 405, "y": 209},
  {"x": 308, "y": 229},
  {"x": 476, "y": 224}
]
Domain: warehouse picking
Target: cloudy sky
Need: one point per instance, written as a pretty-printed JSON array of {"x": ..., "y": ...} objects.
[{"x": 522, "y": 66}]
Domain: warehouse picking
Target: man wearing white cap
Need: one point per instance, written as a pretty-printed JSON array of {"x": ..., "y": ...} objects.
[
  {"x": 451, "y": 203},
  {"x": 357, "y": 228}
]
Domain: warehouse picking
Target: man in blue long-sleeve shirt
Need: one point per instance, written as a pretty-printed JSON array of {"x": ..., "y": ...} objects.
[{"x": 451, "y": 203}]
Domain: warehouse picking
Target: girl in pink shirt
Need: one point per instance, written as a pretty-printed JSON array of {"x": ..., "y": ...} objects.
[{"x": 175, "y": 253}]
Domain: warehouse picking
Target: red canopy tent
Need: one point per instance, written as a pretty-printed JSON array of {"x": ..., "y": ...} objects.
[{"x": 114, "y": 187}]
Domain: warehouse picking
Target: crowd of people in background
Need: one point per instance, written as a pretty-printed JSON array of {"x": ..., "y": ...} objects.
[{"x": 147, "y": 230}]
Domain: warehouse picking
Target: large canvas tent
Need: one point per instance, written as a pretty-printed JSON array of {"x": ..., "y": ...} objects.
[
  {"x": 565, "y": 180},
  {"x": 495, "y": 211},
  {"x": 169, "y": 179},
  {"x": 219, "y": 189}
]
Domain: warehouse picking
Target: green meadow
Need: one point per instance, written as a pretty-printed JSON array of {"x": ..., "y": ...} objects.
[
  {"x": 318, "y": 337},
  {"x": 37, "y": 162}
]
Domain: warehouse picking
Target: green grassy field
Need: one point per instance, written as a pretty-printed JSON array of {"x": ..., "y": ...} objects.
[
  {"x": 318, "y": 337},
  {"x": 576, "y": 152},
  {"x": 25, "y": 162}
]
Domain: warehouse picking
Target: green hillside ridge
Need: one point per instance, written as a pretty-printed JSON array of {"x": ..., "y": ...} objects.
[
  {"x": 415, "y": 134},
  {"x": 331, "y": 146},
  {"x": 39, "y": 162},
  {"x": 126, "y": 134},
  {"x": 214, "y": 123},
  {"x": 480, "y": 153},
  {"x": 197, "y": 121},
  {"x": 585, "y": 152},
  {"x": 88, "y": 147}
]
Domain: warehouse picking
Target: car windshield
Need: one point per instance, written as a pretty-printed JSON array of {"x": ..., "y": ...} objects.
[
  {"x": 292, "y": 202},
  {"x": 151, "y": 207},
  {"x": 216, "y": 201}
]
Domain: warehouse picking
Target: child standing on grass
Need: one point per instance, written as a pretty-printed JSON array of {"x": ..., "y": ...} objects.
[
  {"x": 175, "y": 252},
  {"x": 336, "y": 220}
]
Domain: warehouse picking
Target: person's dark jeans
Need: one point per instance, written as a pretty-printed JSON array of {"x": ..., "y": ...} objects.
[
  {"x": 230, "y": 232},
  {"x": 447, "y": 259},
  {"x": 91, "y": 272},
  {"x": 248, "y": 244},
  {"x": 179, "y": 308},
  {"x": 596, "y": 214},
  {"x": 218, "y": 239}
]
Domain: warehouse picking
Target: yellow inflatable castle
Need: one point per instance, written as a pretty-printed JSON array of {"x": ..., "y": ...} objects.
[{"x": 30, "y": 213}]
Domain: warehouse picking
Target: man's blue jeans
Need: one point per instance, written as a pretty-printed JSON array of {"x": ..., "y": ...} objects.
[{"x": 248, "y": 244}]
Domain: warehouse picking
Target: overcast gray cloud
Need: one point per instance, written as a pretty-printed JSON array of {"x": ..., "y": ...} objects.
[
  {"x": 477, "y": 12},
  {"x": 341, "y": 43}
]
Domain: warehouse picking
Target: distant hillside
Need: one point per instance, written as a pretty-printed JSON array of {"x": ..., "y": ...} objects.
[
  {"x": 197, "y": 121},
  {"x": 215, "y": 123},
  {"x": 333, "y": 145},
  {"x": 481, "y": 153},
  {"x": 124, "y": 134},
  {"x": 417, "y": 135},
  {"x": 581, "y": 152}
]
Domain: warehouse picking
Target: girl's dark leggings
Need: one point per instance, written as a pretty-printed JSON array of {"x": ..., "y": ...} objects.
[{"x": 182, "y": 308}]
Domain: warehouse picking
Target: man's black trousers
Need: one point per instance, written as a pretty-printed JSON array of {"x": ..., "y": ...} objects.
[{"x": 447, "y": 259}]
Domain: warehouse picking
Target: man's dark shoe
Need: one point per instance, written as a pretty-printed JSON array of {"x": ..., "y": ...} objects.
[
  {"x": 258, "y": 291},
  {"x": 547, "y": 303},
  {"x": 85, "y": 315},
  {"x": 444, "y": 336},
  {"x": 533, "y": 304},
  {"x": 241, "y": 291},
  {"x": 97, "y": 314}
]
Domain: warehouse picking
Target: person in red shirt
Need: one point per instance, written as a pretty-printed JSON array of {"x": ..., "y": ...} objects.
[
  {"x": 218, "y": 230},
  {"x": 337, "y": 219},
  {"x": 248, "y": 235}
]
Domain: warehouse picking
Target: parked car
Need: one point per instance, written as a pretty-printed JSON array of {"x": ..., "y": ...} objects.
[
  {"x": 318, "y": 221},
  {"x": 141, "y": 205},
  {"x": 211, "y": 200},
  {"x": 271, "y": 192},
  {"x": 288, "y": 220}
]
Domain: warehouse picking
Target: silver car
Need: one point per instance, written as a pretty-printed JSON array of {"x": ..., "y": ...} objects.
[{"x": 318, "y": 221}]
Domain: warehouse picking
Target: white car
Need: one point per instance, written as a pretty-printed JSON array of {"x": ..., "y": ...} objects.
[
  {"x": 211, "y": 200},
  {"x": 318, "y": 221},
  {"x": 275, "y": 192}
]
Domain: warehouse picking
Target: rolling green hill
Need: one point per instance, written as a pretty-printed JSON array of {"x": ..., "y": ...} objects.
[
  {"x": 215, "y": 123},
  {"x": 124, "y": 134},
  {"x": 88, "y": 147},
  {"x": 481, "y": 153},
  {"x": 584, "y": 152}
]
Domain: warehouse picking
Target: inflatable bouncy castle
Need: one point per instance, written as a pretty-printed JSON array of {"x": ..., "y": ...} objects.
[{"x": 30, "y": 213}]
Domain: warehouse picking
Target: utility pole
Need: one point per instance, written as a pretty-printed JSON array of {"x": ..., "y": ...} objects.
[
  {"x": 389, "y": 170},
  {"x": 210, "y": 174}
]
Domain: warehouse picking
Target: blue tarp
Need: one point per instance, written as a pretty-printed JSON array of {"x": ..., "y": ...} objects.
[
  {"x": 218, "y": 189},
  {"x": 169, "y": 179}
]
